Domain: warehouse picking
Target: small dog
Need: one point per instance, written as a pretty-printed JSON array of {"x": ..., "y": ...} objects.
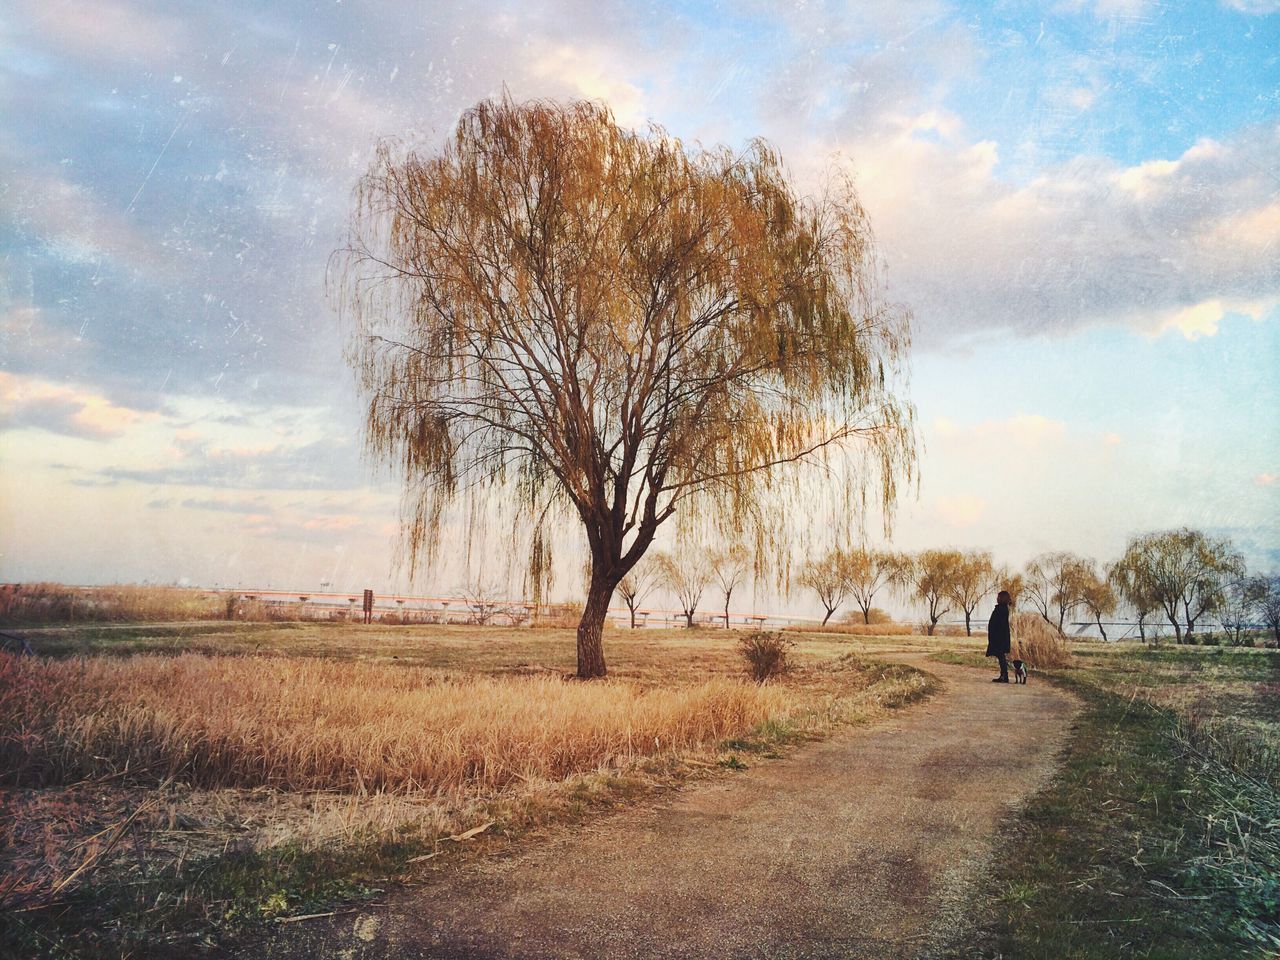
[{"x": 1019, "y": 672}]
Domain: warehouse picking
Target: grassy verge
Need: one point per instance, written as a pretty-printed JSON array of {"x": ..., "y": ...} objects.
[{"x": 1151, "y": 842}]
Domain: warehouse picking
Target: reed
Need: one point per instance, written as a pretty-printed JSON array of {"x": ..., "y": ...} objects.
[
  {"x": 1038, "y": 644},
  {"x": 348, "y": 726}
]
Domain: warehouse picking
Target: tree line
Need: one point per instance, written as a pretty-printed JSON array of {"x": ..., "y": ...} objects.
[{"x": 1181, "y": 577}]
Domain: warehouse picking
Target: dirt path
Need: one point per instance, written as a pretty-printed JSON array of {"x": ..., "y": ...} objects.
[{"x": 872, "y": 844}]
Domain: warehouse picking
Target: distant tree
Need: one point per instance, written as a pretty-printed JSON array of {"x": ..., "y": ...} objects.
[
  {"x": 932, "y": 579},
  {"x": 687, "y": 574},
  {"x": 973, "y": 578},
  {"x": 1242, "y": 601},
  {"x": 1269, "y": 606},
  {"x": 729, "y": 567},
  {"x": 607, "y": 320},
  {"x": 1185, "y": 572},
  {"x": 638, "y": 584},
  {"x": 867, "y": 572},
  {"x": 1053, "y": 584},
  {"x": 1097, "y": 595},
  {"x": 825, "y": 576},
  {"x": 1132, "y": 586}
]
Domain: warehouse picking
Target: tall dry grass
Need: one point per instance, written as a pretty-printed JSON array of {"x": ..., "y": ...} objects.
[
  {"x": 1036, "y": 643},
  {"x": 351, "y": 726},
  {"x": 31, "y": 603},
  {"x": 855, "y": 629}
]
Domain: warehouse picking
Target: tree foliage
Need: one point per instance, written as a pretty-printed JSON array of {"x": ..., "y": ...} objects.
[
  {"x": 973, "y": 576},
  {"x": 933, "y": 574},
  {"x": 729, "y": 568},
  {"x": 687, "y": 574},
  {"x": 1097, "y": 595},
  {"x": 1053, "y": 584},
  {"x": 1181, "y": 572},
  {"x": 638, "y": 583},
  {"x": 615, "y": 325},
  {"x": 867, "y": 572},
  {"x": 825, "y": 576}
]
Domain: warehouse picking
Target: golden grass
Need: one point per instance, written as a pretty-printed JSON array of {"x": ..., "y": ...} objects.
[
  {"x": 316, "y": 724},
  {"x": 56, "y": 603},
  {"x": 1037, "y": 643},
  {"x": 855, "y": 629}
]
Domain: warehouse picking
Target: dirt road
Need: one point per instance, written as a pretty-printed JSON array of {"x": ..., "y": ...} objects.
[{"x": 872, "y": 844}]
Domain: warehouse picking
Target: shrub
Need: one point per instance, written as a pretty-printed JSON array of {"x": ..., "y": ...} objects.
[
  {"x": 855, "y": 629},
  {"x": 875, "y": 616},
  {"x": 766, "y": 653},
  {"x": 560, "y": 616},
  {"x": 1036, "y": 643}
]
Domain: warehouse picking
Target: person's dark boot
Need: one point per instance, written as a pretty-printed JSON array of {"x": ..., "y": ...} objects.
[{"x": 999, "y": 679}]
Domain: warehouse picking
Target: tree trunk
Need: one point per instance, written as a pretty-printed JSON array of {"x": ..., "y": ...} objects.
[
  {"x": 688, "y": 619},
  {"x": 591, "y": 631},
  {"x": 632, "y": 609},
  {"x": 828, "y": 616},
  {"x": 866, "y": 614},
  {"x": 1102, "y": 629},
  {"x": 968, "y": 629}
]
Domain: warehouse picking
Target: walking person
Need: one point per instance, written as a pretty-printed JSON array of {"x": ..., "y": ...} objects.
[{"x": 998, "y": 635}]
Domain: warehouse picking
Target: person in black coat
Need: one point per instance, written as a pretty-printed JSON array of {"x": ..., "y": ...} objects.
[{"x": 998, "y": 635}]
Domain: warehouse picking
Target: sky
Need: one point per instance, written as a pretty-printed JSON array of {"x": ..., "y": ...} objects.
[{"x": 1080, "y": 202}]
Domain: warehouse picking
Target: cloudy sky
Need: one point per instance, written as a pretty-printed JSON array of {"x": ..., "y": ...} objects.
[{"x": 1080, "y": 201}]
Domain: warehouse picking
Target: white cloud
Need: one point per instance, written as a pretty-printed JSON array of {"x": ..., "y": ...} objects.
[
  {"x": 1085, "y": 242},
  {"x": 75, "y": 411},
  {"x": 1202, "y": 319},
  {"x": 592, "y": 74},
  {"x": 1258, "y": 8}
]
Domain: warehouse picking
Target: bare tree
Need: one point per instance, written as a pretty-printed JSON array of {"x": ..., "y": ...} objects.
[
  {"x": 866, "y": 572},
  {"x": 1097, "y": 595},
  {"x": 687, "y": 574},
  {"x": 973, "y": 578},
  {"x": 1184, "y": 572},
  {"x": 1242, "y": 600},
  {"x": 729, "y": 568},
  {"x": 933, "y": 574},
  {"x": 1052, "y": 584},
  {"x": 1133, "y": 587},
  {"x": 608, "y": 321},
  {"x": 638, "y": 584},
  {"x": 1269, "y": 606},
  {"x": 825, "y": 577}
]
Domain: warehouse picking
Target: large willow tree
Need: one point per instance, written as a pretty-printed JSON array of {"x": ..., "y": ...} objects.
[{"x": 588, "y": 315}]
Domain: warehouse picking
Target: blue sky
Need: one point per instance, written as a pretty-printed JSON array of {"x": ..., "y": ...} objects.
[{"x": 1079, "y": 200}]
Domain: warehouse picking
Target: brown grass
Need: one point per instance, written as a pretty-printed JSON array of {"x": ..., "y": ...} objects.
[
  {"x": 23, "y": 603},
  {"x": 855, "y": 629},
  {"x": 1038, "y": 644},
  {"x": 314, "y": 724}
]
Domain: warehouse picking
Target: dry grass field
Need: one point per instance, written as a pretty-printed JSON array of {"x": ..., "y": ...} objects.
[{"x": 133, "y": 755}]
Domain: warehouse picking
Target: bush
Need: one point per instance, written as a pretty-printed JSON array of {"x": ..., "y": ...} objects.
[
  {"x": 766, "y": 653},
  {"x": 874, "y": 616},
  {"x": 1036, "y": 643},
  {"x": 559, "y": 616},
  {"x": 858, "y": 629}
]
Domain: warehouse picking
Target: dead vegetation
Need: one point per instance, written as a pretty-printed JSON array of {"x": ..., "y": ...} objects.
[
  {"x": 125, "y": 769},
  {"x": 1037, "y": 643}
]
